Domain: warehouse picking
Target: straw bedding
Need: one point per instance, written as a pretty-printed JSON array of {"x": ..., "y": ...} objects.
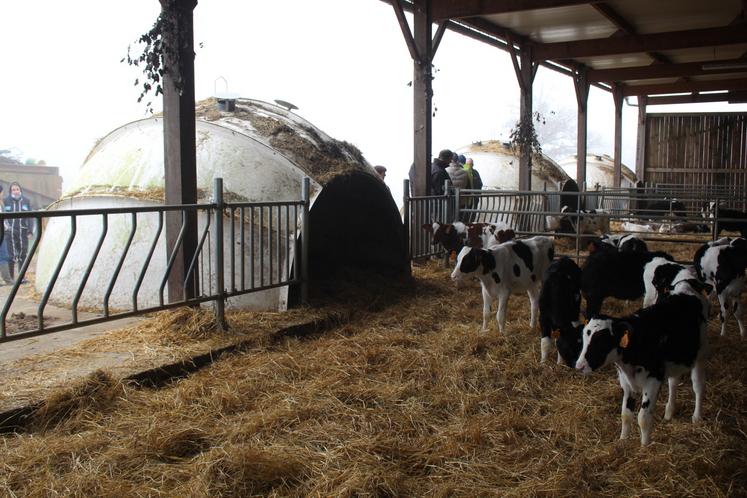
[{"x": 405, "y": 399}]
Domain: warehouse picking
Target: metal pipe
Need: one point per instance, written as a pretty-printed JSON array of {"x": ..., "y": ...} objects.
[
  {"x": 57, "y": 270},
  {"x": 113, "y": 280},
  {"x": 89, "y": 269},
  {"x": 146, "y": 263},
  {"x": 305, "y": 198},
  {"x": 220, "y": 301}
]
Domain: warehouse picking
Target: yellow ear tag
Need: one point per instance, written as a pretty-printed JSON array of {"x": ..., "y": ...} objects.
[
  {"x": 555, "y": 334},
  {"x": 584, "y": 321},
  {"x": 625, "y": 340}
]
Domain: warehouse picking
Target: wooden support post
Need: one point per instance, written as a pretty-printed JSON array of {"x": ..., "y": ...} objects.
[
  {"x": 423, "y": 97},
  {"x": 525, "y": 70},
  {"x": 180, "y": 168},
  {"x": 581, "y": 84},
  {"x": 617, "y": 96},
  {"x": 640, "y": 158}
]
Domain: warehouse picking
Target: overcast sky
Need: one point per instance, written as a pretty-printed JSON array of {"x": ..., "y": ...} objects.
[{"x": 344, "y": 63}]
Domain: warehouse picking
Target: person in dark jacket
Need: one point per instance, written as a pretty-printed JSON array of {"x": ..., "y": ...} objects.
[
  {"x": 438, "y": 171},
  {"x": 474, "y": 183},
  {"x": 5, "y": 277},
  {"x": 17, "y": 230}
]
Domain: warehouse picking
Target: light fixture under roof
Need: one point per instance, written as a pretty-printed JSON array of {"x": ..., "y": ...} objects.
[{"x": 721, "y": 66}]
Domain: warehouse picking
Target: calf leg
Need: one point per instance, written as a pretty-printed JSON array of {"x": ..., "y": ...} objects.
[
  {"x": 646, "y": 413},
  {"x": 697, "y": 375},
  {"x": 533, "y": 294},
  {"x": 722, "y": 312},
  {"x": 738, "y": 314},
  {"x": 487, "y": 300},
  {"x": 670, "y": 408},
  {"x": 628, "y": 404},
  {"x": 545, "y": 339},
  {"x": 502, "y": 306}
]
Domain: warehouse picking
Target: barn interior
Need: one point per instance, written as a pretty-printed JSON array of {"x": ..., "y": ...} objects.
[{"x": 401, "y": 395}]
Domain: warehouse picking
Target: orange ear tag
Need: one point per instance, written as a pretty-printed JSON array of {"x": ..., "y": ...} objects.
[
  {"x": 584, "y": 321},
  {"x": 555, "y": 334},
  {"x": 625, "y": 340}
]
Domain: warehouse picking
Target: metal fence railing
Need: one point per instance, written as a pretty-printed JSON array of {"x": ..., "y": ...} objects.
[
  {"x": 649, "y": 212},
  {"x": 114, "y": 263}
]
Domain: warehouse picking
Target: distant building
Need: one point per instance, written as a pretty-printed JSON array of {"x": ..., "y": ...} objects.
[{"x": 41, "y": 184}]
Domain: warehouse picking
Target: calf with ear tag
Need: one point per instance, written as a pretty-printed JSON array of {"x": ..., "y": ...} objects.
[{"x": 625, "y": 339}]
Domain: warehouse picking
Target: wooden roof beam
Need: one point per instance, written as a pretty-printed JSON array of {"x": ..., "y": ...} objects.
[
  {"x": 455, "y": 9},
  {"x": 739, "y": 84},
  {"x": 730, "y": 97},
  {"x": 673, "y": 40},
  {"x": 666, "y": 70}
]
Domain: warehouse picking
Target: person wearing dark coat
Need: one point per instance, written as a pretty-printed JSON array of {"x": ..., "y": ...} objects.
[
  {"x": 5, "y": 278},
  {"x": 439, "y": 175},
  {"x": 17, "y": 230}
]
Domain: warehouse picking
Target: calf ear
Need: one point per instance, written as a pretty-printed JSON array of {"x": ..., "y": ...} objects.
[
  {"x": 625, "y": 339},
  {"x": 623, "y": 331}
]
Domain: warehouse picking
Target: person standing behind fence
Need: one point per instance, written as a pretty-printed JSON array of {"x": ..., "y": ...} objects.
[
  {"x": 438, "y": 172},
  {"x": 474, "y": 182},
  {"x": 17, "y": 230},
  {"x": 5, "y": 278}
]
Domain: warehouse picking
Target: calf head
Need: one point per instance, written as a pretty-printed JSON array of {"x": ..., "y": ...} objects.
[
  {"x": 569, "y": 342},
  {"x": 445, "y": 234},
  {"x": 603, "y": 339},
  {"x": 473, "y": 261},
  {"x": 504, "y": 235},
  {"x": 474, "y": 234}
]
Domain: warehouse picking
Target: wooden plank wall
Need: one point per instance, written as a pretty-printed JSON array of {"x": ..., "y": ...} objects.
[{"x": 700, "y": 150}]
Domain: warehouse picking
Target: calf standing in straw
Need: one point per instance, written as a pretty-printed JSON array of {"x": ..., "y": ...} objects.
[
  {"x": 509, "y": 268},
  {"x": 662, "y": 341}
]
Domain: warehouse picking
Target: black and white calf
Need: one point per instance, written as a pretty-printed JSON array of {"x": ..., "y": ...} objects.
[
  {"x": 737, "y": 219},
  {"x": 454, "y": 236},
  {"x": 559, "y": 306},
  {"x": 660, "y": 276},
  {"x": 722, "y": 264},
  {"x": 625, "y": 242},
  {"x": 589, "y": 221},
  {"x": 615, "y": 274},
  {"x": 665, "y": 340},
  {"x": 509, "y": 268}
]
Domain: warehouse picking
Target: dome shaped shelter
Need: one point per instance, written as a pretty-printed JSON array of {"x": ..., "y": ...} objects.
[
  {"x": 600, "y": 171},
  {"x": 262, "y": 152},
  {"x": 498, "y": 165}
]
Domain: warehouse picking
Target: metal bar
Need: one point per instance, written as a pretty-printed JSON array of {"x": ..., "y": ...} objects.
[
  {"x": 146, "y": 263},
  {"x": 89, "y": 269},
  {"x": 269, "y": 244},
  {"x": 305, "y": 240},
  {"x": 103, "y": 319},
  {"x": 56, "y": 273},
  {"x": 172, "y": 258},
  {"x": 261, "y": 246},
  {"x": 220, "y": 301},
  {"x": 296, "y": 265},
  {"x": 191, "y": 268},
  {"x": 287, "y": 243},
  {"x": 242, "y": 246},
  {"x": 406, "y": 218},
  {"x": 252, "y": 244},
  {"x": 233, "y": 249},
  {"x": 113, "y": 280}
]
